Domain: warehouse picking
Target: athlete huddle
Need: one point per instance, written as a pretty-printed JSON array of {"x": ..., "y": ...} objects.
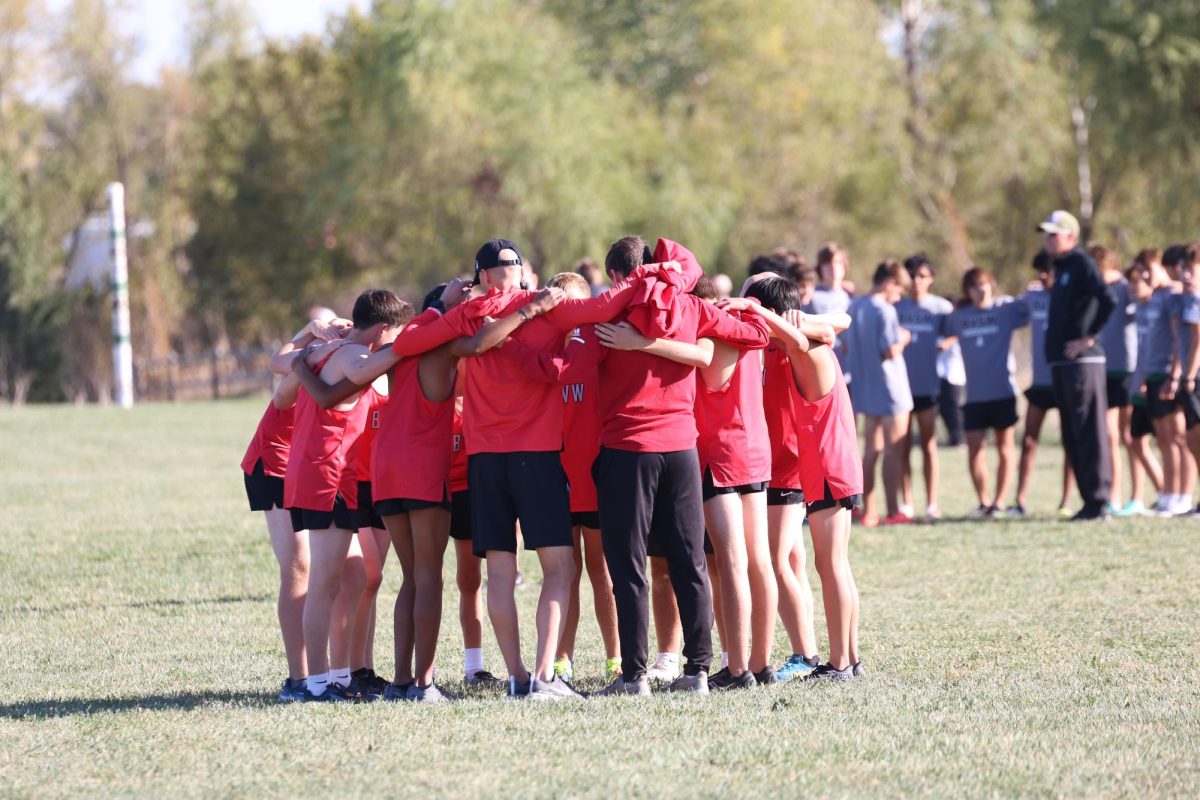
[
  {"x": 1118, "y": 347},
  {"x": 599, "y": 429}
]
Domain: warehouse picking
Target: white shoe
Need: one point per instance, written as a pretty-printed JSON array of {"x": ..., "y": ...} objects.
[
  {"x": 664, "y": 670},
  {"x": 1181, "y": 506},
  {"x": 905, "y": 509}
]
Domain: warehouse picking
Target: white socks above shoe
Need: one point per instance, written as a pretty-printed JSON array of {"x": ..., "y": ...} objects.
[
  {"x": 724, "y": 660},
  {"x": 667, "y": 658},
  {"x": 317, "y": 684},
  {"x": 340, "y": 676},
  {"x": 472, "y": 660}
]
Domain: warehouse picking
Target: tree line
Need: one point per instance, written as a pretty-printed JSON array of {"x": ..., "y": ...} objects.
[{"x": 271, "y": 175}]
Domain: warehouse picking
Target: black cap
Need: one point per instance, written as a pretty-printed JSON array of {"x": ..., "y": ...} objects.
[{"x": 489, "y": 255}]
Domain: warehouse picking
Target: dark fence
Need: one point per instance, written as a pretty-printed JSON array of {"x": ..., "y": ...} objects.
[{"x": 204, "y": 376}]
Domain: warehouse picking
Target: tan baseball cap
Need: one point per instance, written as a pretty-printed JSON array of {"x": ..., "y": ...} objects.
[{"x": 1060, "y": 222}]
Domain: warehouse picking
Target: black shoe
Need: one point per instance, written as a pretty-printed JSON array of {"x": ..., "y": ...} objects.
[
  {"x": 766, "y": 676},
  {"x": 367, "y": 679},
  {"x": 1092, "y": 512},
  {"x": 827, "y": 672},
  {"x": 394, "y": 693},
  {"x": 333, "y": 694},
  {"x": 857, "y": 669},
  {"x": 483, "y": 678},
  {"x": 725, "y": 680},
  {"x": 362, "y": 690}
]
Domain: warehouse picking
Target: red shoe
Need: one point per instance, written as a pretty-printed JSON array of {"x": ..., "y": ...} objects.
[
  {"x": 868, "y": 521},
  {"x": 899, "y": 518}
]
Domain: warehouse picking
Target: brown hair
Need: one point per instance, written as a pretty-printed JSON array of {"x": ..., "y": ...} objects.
[
  {"x": 827, "y": 253},
  {"x": 1190, "y": 255},
  {"x": 1105, "y": 259},
  {"x": 705, "y": 289},
  {"x": 380, "y": 305},
  {"x": 976, "y": 276},
  {"x": 589, "y": 269},
  {"x": 627, "y": 254},
  {"x": 1148, "y": 256},
  {"x": 891, "y": 270}
]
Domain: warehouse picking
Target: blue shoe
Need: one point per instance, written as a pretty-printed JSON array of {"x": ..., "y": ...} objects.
[
  {"x": 393, "y": 693},
  {"x": 1134, "y": 508},
  {"x": 292, "y": 691},
  {"x": 797, "y": 666},
  {"x": 332, "y": 694}
]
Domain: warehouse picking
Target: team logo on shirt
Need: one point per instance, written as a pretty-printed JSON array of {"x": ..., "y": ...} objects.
[
  {"x": 573, "y": 391},
  {"x": 456, "y": 442},
  {"x": 375, "y": 419}
]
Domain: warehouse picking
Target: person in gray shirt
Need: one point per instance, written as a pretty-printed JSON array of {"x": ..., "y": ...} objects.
[
  {"x": 1141, "y": 288},
  {"x": 1040, "y": 394},
  {"x": 875, "y": 345},
  {"x": 984, "y": 328},
  {"x": 1118, "y": 338},
  {"x": 829, "y": 295},
  {"x": 923, "y": 315}
]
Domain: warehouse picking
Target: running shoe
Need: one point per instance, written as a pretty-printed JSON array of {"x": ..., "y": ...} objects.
[
  {"x": 612, "y": 667},
  {"x": 797, "y": 666},
  {"x": 933, "y": 513},
  {"x": 980, "y": 512},
  {"x": 1064, "y": 511},
  {"x": 868, "y": 521},
  {"x": 553, "y": 690},
  {"x": 899, "y": 518},
  {"x": 332, "y": 694},
  {"x": 639, "y": 687},
  {"x": 362, "y": 691},
  {"x": 766, "y": 676},
  {"x": 427, "y": 694},
  {"x": 564, "y": 669},
  {"x": 827, "y": 672},
  {"x": 482, "y": 678},
  {"x": 1016, "y": 510},
  {"x": 393, "y": 693},
  {"x": 857, "y": 669},
  {"x": 665, "y": 669},
  {"x": 516, "y": 690},
  {"x": 1092, "y": 512},
  {"x": 907, "y": 510},
  {"x": 690, "y": 684},
  {"x": 1134, "y": 508},
  {"x": 367, "y": 678},
  {"x": 292, "y": 691}
]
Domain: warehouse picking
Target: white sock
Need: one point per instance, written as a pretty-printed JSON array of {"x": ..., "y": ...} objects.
[
  {"x": 472, "y": 660},
  {"x": 668, "y": 658},
  {"x": 340, "y": 676},
  {"x": 724, "y": 660},
  {"x": 317, "y": 684},
  {"x": 906, "y": 510}
]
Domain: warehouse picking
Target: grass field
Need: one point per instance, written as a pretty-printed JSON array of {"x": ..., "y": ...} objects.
[{"x": 141, "y": 655}]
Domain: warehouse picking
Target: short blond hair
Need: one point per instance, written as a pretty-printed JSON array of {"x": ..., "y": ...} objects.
[{"x": 572, "y": 283}]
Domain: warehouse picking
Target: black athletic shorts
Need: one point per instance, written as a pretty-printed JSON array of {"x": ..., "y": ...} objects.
[
  {"x": 708, "y": 490},
  {"x": 1189, "y": 401},
  {"x": 586, "y": 519},
  {"x": 1159, "y": 408},
  {"x": 526, "y": 486},
  {"x": 460, "y": 516},
  {"x": 829, "y": 501},
  {"x": 1140, "y": 423},
  {"x": 924, "y": 403},
  {"x": 403, "y": 505},
  {"x": 997, "y": 414},
  {"x": 785, "y": 497},
  {"x": 368, "y": 517},
  {"x": 1118, "y": 389},
  {"x": 262, "y": 490},
  {"x": 1041, "y": 396},
  {"x": 307, "y": 519}
]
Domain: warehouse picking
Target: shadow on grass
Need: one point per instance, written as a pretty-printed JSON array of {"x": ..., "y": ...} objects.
[
  {"x": 164, "y": 603},
  {"x": 53, "y": 709}
]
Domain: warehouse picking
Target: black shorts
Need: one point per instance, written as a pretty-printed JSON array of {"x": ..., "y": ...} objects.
[
  {"x": 403, "y": 505},
  {"x": 1189, "y": 401},
  {"x": 708, "y": 490},
  {"x": 526, "y": 486},
  {"x": 1041, "y": 397},
  {"x": 585, "y": 519},
  {"x": 1159, "y": 408},
  {"x": 1118, "y": 389},
  {"x": 368, "y": 517},
  {"x": 1140, "y": 423},
  {"x": 785, "y": 497},
  {"x": 997, "y": 414},
  {"x": 829, "y": 501},
  {"x": 307, "y": 519},
  {"x": 924, "y": 403},
  {"x": 264, "y": 491},
  {"x": 460, "y": 516}
]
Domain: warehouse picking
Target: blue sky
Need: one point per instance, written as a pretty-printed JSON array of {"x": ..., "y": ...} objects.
[{"x": 158, "y": 25}]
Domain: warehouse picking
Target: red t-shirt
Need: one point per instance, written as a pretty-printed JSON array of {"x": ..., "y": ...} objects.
[
  {"x": 733, "y": 439},
  {"x": 272, "y": 441},
  {"x": 504, "y": 410},
  {"x": 458, "y": 456},
  {"x": 360, "y": 453},
  {"x": 779, "y": 406},
  {"x": 411, "y": 458},
  {"x": 828, "y": 442},
  {"x": 318, "y": 467}
]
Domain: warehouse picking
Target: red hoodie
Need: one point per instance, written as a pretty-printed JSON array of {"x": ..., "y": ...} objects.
[{"x": 647, "y": 403}]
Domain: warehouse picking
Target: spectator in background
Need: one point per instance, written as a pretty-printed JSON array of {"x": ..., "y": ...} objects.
[
  {"x": 722, "y": 285},
  {"x": 1079, "y": 306},
  {"x": 923, "y": 315},
  {"x": 829, "y": 296},
  {"x": 1180, "y": 263},
  {"x": 881, "y": 392},
  {"x": 1141, "y": 289},
  {"x": 1119, "y": 340},
  {"x": 592, "y": 273},
  {"x": 952, "y": 377}
]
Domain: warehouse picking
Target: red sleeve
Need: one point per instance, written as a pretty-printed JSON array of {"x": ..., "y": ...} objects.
[
  {"x": 582, "y": 353},
  {"x": 430, "y": 329},
  {"x": 750, "y": 332},
  {"x": 572, "y": 313}
]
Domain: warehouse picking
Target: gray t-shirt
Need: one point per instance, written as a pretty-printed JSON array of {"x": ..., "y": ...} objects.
[
  {"x": 1142, "y": 317},
  {"x": 924, "y": 320},
  {"x": 826, "y": 301},
  {"x": 1159, "y": 341},
  {"x": 1038, "y": 303},
  {"x": 1186, "y": 311},
  {"x": 1119, "y": 337},
  {"x": 985, "y": 335},
  {"x": 880, "y": 385}
]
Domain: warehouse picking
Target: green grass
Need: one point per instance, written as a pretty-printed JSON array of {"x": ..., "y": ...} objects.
[{"x": 141, "y": 657}]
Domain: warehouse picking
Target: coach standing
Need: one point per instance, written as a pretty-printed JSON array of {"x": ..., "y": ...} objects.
[{"x": 1079, "y": 305}]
